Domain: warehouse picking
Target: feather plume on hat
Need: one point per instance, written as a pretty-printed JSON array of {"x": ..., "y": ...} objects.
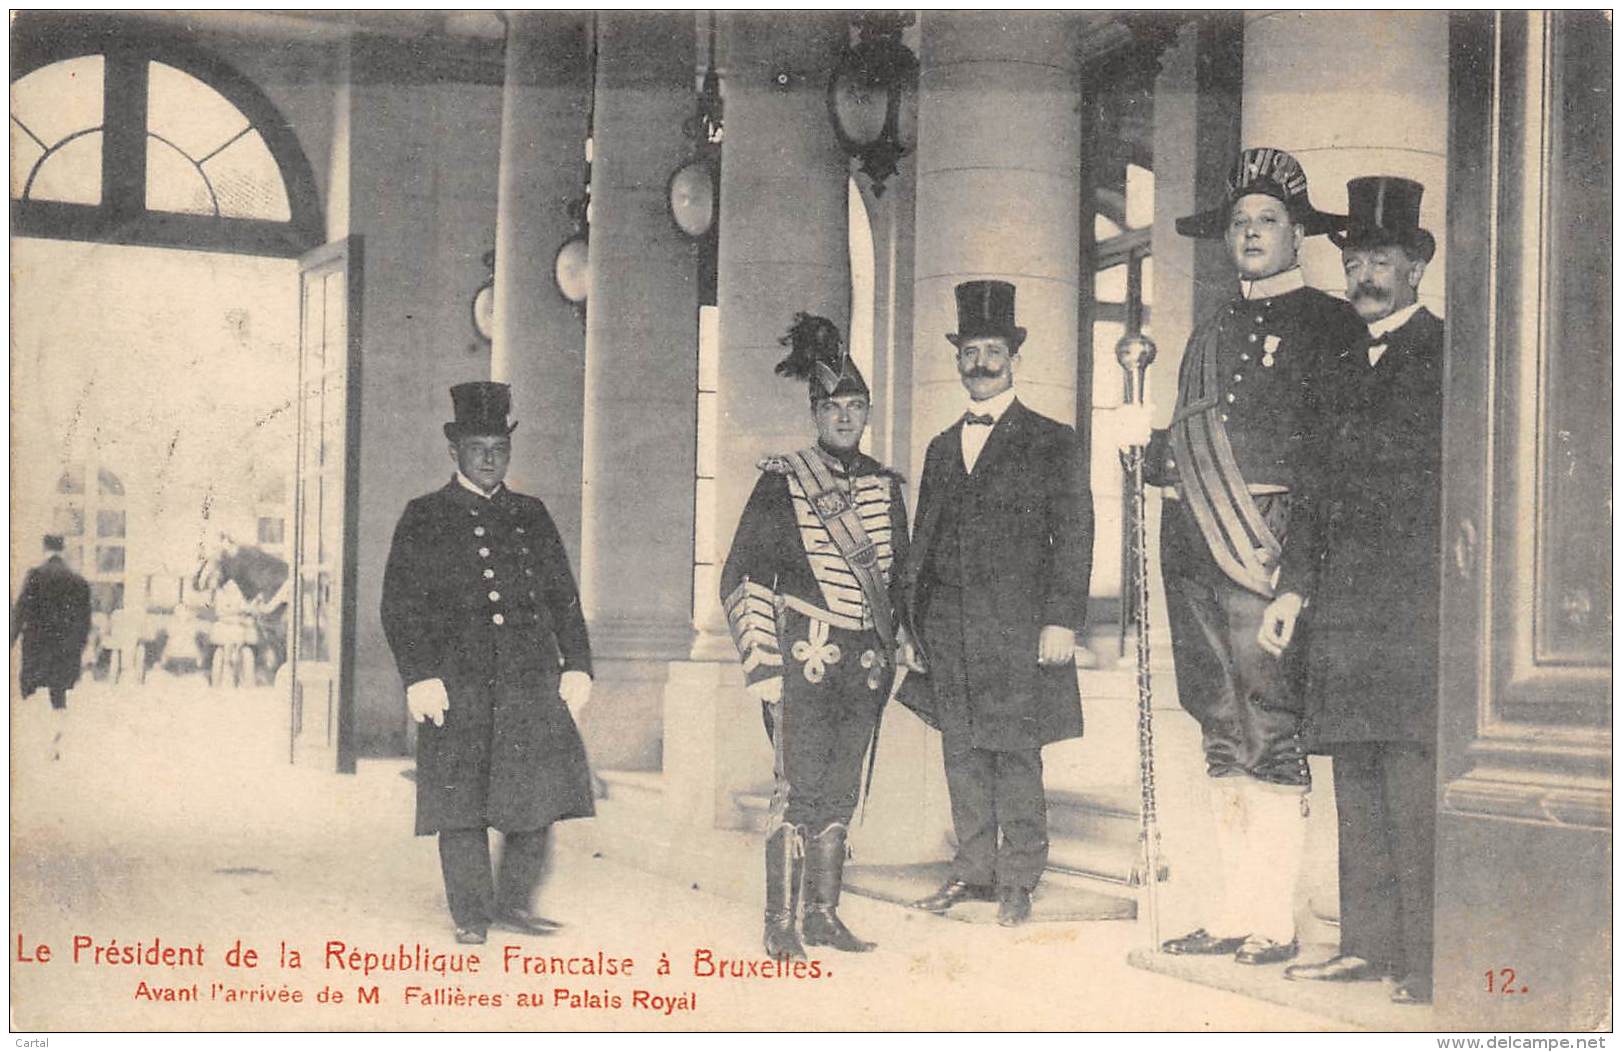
[{"x": 818, "y": 356}]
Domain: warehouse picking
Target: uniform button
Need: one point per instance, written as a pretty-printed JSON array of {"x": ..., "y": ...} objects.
[
  {"x": 532, "y": 595},
  {"x": 478, "y": 531},
  {"x": 1244, "y": 357},
  {"x": 523, "y": 551},
  {"x": 473, "y": 512},
  {"x": 518, "y": 529},
  {"x": 1171, "y": 463},
  {"x": 1230, "y": 396},
  {"x": 528, "y": 572},
  {"x": 489, "y": 573},
  {"x": 1224, "y": 418},
  {"x": 1259, "y": 318},
  {"x": 495, "y": 597},
  {"x": 497, "y": 619},
  {"x": 484, "y": 553},
  {"x": 1252, "y": 337},
  {"x": 1237, "y": 377}
]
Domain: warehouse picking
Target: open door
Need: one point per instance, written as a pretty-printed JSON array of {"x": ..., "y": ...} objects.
[
  {"x": 1523, "y": 892},
  {"x": 322, "y": 647}
]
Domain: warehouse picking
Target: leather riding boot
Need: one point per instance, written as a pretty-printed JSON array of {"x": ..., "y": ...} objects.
[
  {"x": 784, "y": 862},
  {"x": 825, "y": 872}
]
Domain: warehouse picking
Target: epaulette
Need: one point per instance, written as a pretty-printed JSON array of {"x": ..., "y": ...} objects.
[{"x": 777, "y": 465}]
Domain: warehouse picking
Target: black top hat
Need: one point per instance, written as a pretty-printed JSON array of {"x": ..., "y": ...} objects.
[
  {"x": 53, "y": 542},
  {"x": 818, "y": 356},
  {"x": 1264, "y": 170},
  {"x": 1385, "y": 211},
  {"x": 481, "y": 409},
  {"x": 986, "y": 308}
]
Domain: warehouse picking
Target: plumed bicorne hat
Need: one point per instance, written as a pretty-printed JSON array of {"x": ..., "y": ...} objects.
[
  {"x": 1264, "y": 170},
  {"x": 818, "y": 356},
  {"x": 481, "y": 409},
  {"x": 1384, "y": 210},
  {"x": 986, "y": 308}
]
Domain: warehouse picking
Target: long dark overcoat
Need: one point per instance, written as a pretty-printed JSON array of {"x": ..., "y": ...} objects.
[
  {"x": 53, "y": 619},
  {"x": 1025, "y": 531},
  {"x": 1366, "y": 547},
  {"x": 478, "y": 593}
]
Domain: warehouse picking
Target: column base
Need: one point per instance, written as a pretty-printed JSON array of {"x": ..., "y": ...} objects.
[{"x": 623, "y": 727}]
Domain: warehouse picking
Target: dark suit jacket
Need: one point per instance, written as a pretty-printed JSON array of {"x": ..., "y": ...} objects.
[
  {"x": 478, "y": 593},
  {"x": 1365, "y": 542},
  {"x": 53, "y": 619},
  {"x": 1026, "y": 524}
]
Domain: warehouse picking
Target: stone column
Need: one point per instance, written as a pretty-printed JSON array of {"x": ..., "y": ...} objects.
[
  {"x": 539, "y": 344},
  {"x": 641, "y": 383},
  {"x": 999, "y": 131},
  {"x": 784, "y": 240},
  {"x": 1342, "y": 120},
  {"x": 784, "y": 233}
]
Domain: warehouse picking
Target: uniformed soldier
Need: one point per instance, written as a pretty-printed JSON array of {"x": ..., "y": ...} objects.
[
  {"x": 807, "y": 589},
  {"x": 1232, "y": 454},
  {"x": 1366, "y": 552},
  {"x": 481, "y": 611}
]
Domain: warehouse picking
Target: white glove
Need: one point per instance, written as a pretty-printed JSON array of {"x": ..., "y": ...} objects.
[
  {"x": 1133, "y": 424},
  {"x": 575, "y": 690},
  {"x": 1278, "y": 623},
  {"x": 427, "y": 700},
  {"x": 769, "y": 691}
]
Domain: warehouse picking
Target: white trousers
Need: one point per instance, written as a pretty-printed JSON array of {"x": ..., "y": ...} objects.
[{"x": 1260, "y": 838}]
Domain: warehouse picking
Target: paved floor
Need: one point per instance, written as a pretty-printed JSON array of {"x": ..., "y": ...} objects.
[{"x": 173, "y": 819}]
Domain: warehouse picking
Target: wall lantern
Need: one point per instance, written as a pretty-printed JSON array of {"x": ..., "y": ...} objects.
[
  {"x": 694, "y": 189},
  {"x": 872, "y": 95}
]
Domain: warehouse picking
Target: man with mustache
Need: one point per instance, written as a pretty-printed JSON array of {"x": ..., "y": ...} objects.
[
  {"x": 997, "y": 590},
  {"x": 1365, "y": 551},
  {"x": 1233, "y": 455},
  {"x": 807, "y": 590}
]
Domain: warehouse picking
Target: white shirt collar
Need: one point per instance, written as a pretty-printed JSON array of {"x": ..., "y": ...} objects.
[
  {"x": 995, "y": 406},
  {"x": 1382, "y": 327},
  {"x": 469, "y": 484},
  {"x": 1273, "y": 285}
]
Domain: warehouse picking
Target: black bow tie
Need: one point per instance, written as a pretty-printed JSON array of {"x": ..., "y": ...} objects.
[{"x": 979, "y": 419}]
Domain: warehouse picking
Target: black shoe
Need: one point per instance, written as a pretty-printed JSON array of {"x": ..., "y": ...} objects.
[
  {"x": 524, "y": 922},
  {"x": 1013, "y": 907},
  {"x": 1414, "y": 990},
  {"x": 784, "y": 865},
  {"x": 1200, "y": 941},
  {"x": 953, "y": 892},
  {"x": 1342, "y": 968},
  {"x": 1266, "y": 951},
  {"x": 825, "y": 874},
  {"x": 470, "y": 936}
]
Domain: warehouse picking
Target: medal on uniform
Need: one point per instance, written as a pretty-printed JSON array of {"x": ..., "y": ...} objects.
[{"x": 1269, "y": 349}]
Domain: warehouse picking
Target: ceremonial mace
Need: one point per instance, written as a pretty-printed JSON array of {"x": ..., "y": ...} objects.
[{"x": 1135, "y": 351}]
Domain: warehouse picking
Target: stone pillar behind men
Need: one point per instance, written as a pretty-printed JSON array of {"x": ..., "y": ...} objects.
[
  {"x": 641, "y": 382},
  {"x": 539, "y": 346}
]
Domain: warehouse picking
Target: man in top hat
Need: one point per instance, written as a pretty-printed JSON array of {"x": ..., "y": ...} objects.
[
  {"x": 1364, "y": 552},
  {"x": 1233, "y": 454},
  {"x": 996, "y": 588},
  {"x": 807, "y": 588},
  {"x": 481, "y": 611},
  {"x": 52, "y": 617}
]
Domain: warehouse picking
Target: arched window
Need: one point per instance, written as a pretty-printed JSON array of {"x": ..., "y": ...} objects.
[{"x": 132, "y": 138}]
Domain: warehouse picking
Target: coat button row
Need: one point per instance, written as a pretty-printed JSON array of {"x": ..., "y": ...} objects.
[
  {"x": 495, "y": 597},
  {"x": 478, "y": 531},
  {"x": 488, "y": 573},
  {"x": 497, "y": 619},
  {"x": 484, "y": 553}
]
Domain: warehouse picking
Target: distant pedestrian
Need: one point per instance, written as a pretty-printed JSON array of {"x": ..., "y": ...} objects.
[{"x": 52, "y": 617}]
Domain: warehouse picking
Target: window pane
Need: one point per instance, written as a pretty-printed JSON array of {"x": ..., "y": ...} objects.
[
  {"x": 25, "y": 153},
  {"x": 109, "y": 524},
  {"x": 110, "y": 560},
  {"x": 173, "y": 184},
  {"x": 709, "y": 424},
  {"x": 272, "y": 531},
  {"x": 108, "y": 483},
  {"x": 60, "y": 99},
  {"x": 248, "y": 182},
  {"x": 189, "y": 113},
  {"x": 68, "y": 521},
  {"x": 72, "y": 480},
  {"x": 1148, "y": 279},
  {"x": 1103, "y": 227},
  {"x": 71, "y": 174},
  {"x": 1110, "y": 284},
  {"x": 1140, "y": 197}
]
